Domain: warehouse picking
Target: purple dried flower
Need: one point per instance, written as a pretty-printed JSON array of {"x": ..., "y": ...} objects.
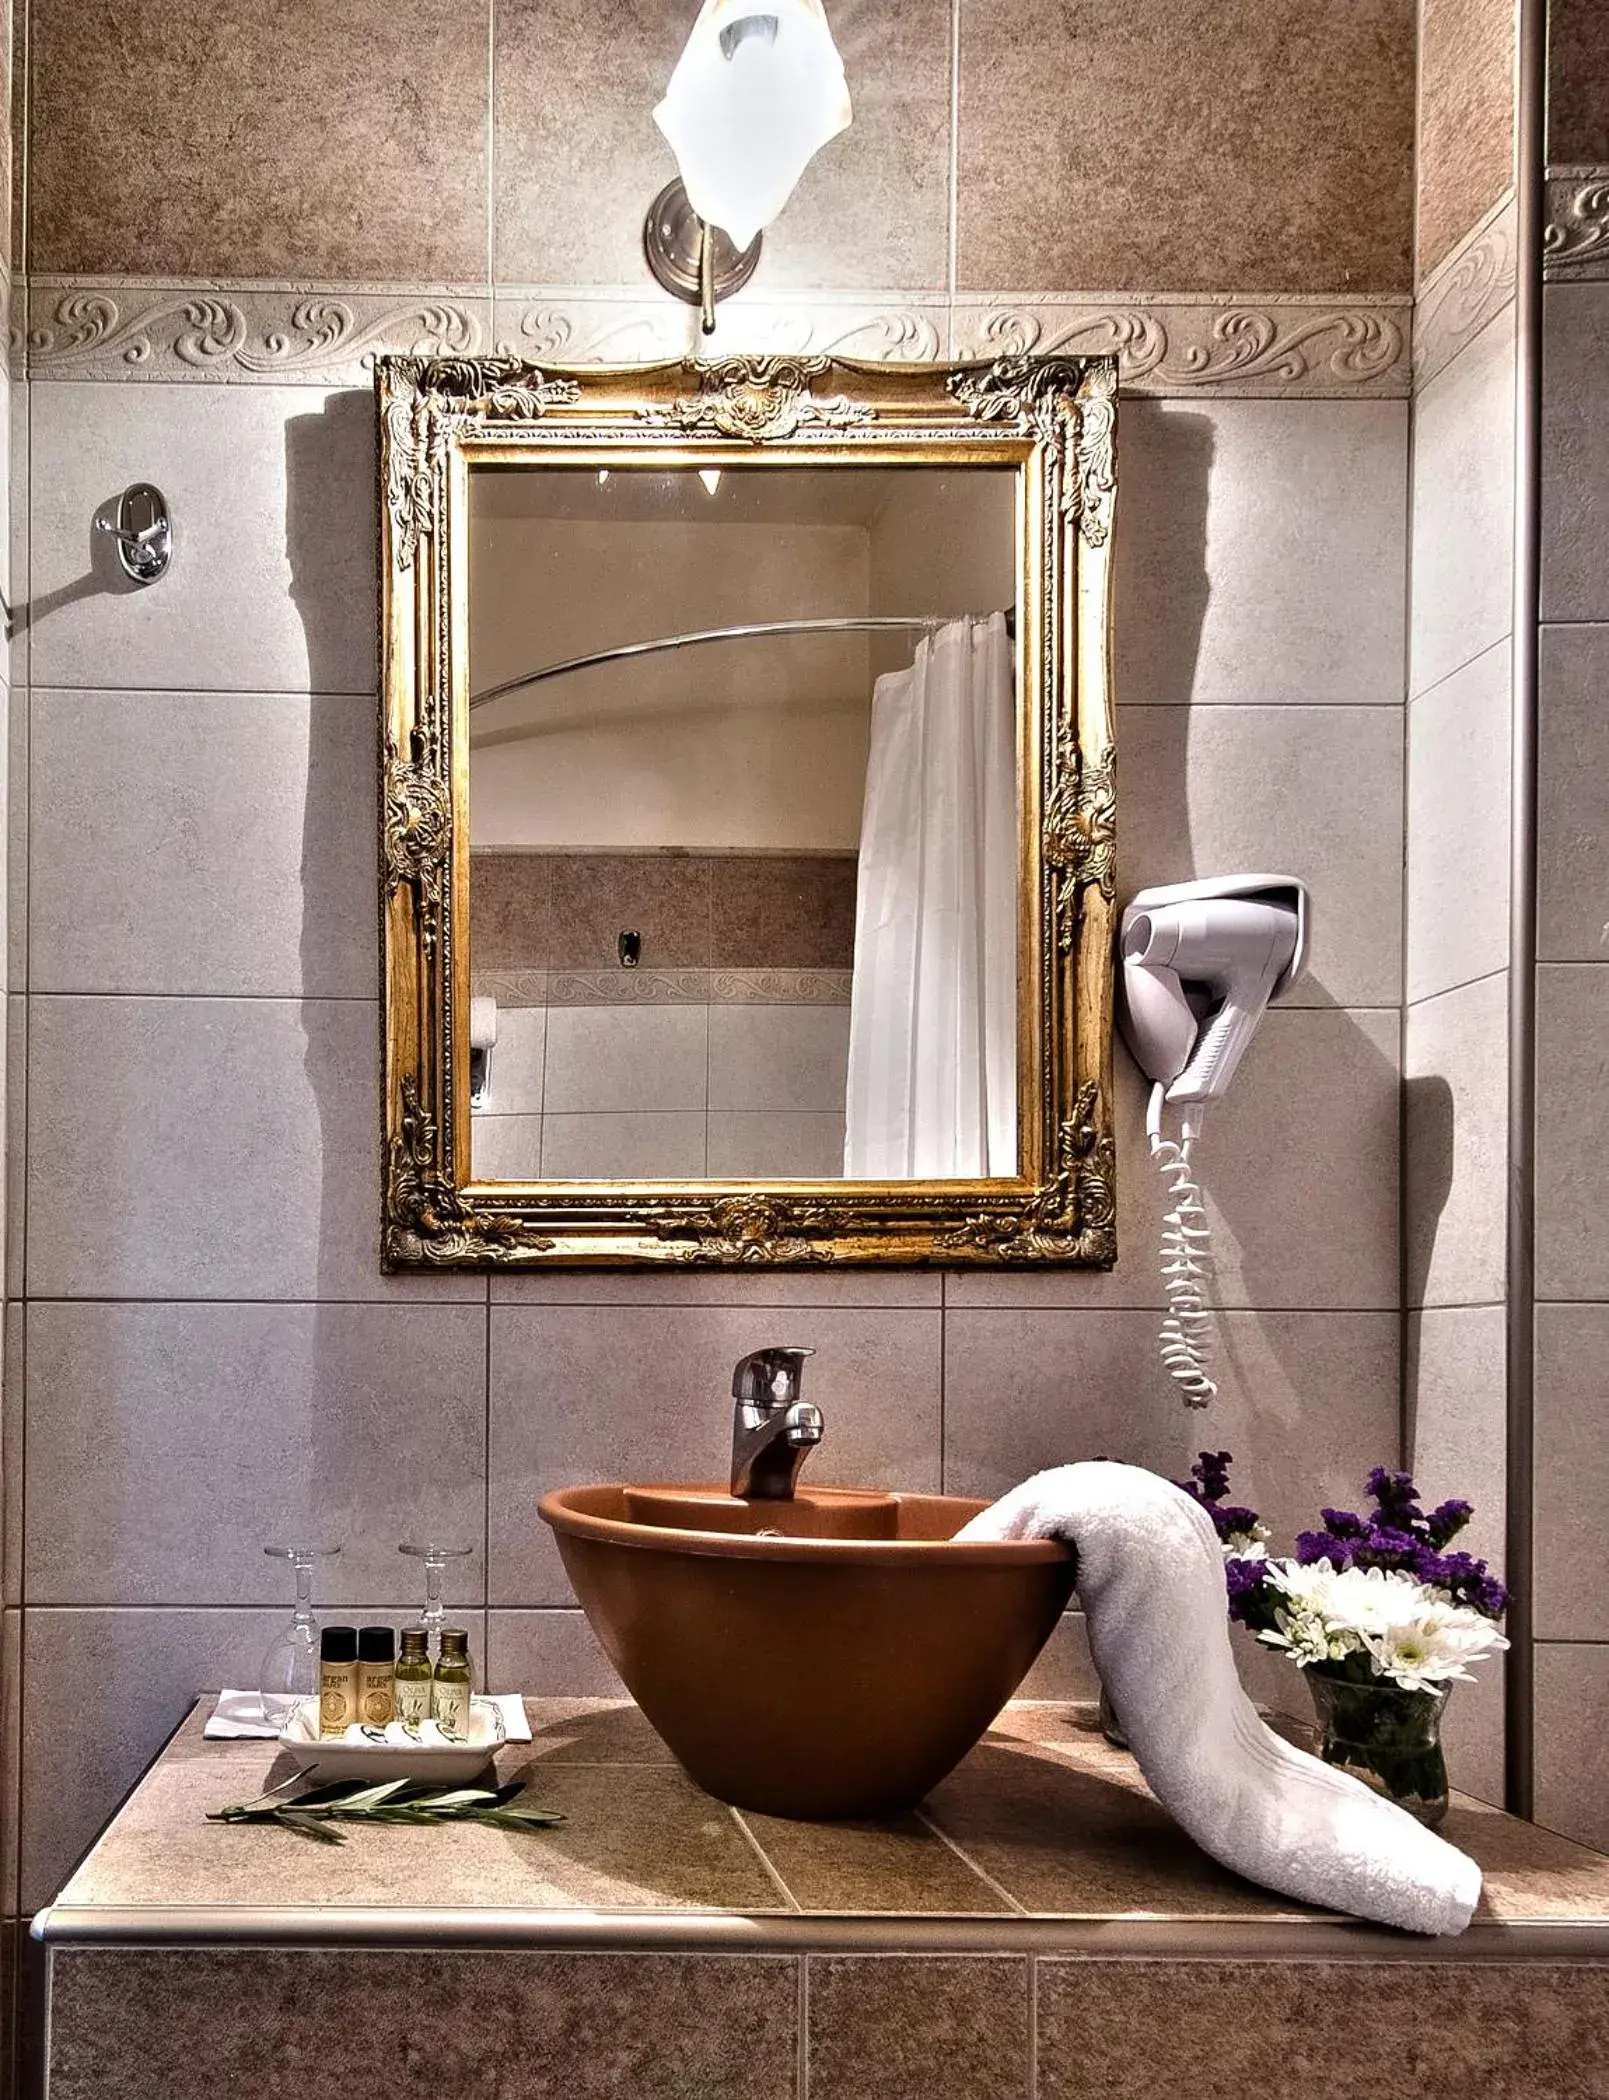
[
  {"x": 1344, "y": 1523},
  {"x": 1396, "y": 1498},
  {"x": 1447, "y": 1520},
  {"x": 1324, "y": 1545},
  {"x": 1211, "y": 1475},
  {"x": 1248, "y": 1595}
]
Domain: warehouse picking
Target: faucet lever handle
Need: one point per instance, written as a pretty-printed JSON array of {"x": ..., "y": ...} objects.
[{"x": 769, "y": 1378}]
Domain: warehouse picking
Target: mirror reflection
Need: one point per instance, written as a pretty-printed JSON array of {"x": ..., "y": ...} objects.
[{"x": 743, "y": 823}]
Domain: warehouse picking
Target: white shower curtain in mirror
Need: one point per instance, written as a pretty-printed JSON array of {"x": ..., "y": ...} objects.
[{"x": 933, "y": 1006}]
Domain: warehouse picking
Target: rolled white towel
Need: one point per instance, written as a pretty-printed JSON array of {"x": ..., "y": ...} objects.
[
  {"x": 1151, "y": 1581},
  {"x": 482, "y": 1023}
]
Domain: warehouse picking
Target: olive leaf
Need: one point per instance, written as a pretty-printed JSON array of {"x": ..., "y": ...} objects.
[{"x": 312, "y": 1814}]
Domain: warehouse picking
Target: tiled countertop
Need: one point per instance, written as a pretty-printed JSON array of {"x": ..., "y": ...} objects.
[{"x": 1044, "y": 1838}]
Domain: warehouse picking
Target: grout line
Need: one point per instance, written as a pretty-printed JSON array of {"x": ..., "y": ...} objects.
[
  {"x": 491, "y": 164},
  {"x": 743, "y": 1305},
  {"x": 1502, "y": 641},
  {"x": 966, "y": 1859},
  {"x": 944, "y": 1362},
  {"x": 486, "y": 1489},
  {"x": 802, "y": 2064},
  {"x": 1466, "y": 984},
  {"x": 234, "y": 998},
  {"x": 1033, "y": 2026},
  {"x": 952, "y": 262},
  {"x": 773, "y": 1873}
]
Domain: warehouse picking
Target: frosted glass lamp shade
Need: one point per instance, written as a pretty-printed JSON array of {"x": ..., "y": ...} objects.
[{"x": 757, "y": 91}]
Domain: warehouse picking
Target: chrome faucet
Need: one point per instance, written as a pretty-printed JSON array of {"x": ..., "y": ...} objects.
[{"x": 773, "y": 1430}]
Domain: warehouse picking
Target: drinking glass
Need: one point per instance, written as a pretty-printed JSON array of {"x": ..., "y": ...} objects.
[
  {"x": 435, "y": 1557},
  {"x": 290, "y": 1668}
]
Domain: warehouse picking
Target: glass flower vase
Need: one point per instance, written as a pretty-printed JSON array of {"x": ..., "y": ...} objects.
[{"x": 1388, "y": 1737}]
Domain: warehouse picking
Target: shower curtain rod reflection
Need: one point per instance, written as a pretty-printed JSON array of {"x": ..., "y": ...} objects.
[{"x": 925, "y": 622}]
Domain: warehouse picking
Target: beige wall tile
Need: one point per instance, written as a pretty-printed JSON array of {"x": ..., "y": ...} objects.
[
  {"x": 1573, "y": 792},
  {"x": 1472, "y": 1734},
  {"x": 11, "y": 1455},
  {"x": 1463, "y": 507},
  {"x": 272, "y": 586},
  {"x": 218, "y": 1429},
  {"x": 778, "y": 1057},
  {"x": 550, "y": 1654},
  {"x": 208, "y": 1148},
  {"x": 309, "y": 141},
  {"x": 1454, "y": 1400},
  {"x": 1467, "y": 63},
  {"x": 626, "y": 1057},
  {"x": 646, "y": 1395},
  {"x": 1307, "y": 1402},
  {"x": 1572, "y": 1023},
  {"x": 1257, "y": 165},
  {"x": 1458, "y": 826},
  {"x": 507, "y": 1148},
  {"x": 19, "y": 708},
  {"x": 1572, "y": 1740},
  {"x": 217, "y": 843},
  {"x": 80, "y": 1758},
  {"x": 16, "y": 1144},
  {"x": 871, "y": 210},
  {"x": 1252, "y": 531},
  {"x": 1298, "y": 1166},
  {"x": 1063, "y": 1668},
  {"x": 776, "y": 1143},
  {"x": 1314, "y": 792},
  {"x": 1578, "y": 83},
  {"x": 620, "y": 1144},
  {"x": 1571, "y": 1473},
  {"x": 1575, "y": 452},
  {"x": 918, "y": 2028},
  {"x": 518, "y": 1059},
  {"x": 1455, "y": 1155}
]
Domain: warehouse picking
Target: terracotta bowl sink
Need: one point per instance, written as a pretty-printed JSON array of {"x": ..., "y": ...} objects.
[{"x": 833, "y": 1656}]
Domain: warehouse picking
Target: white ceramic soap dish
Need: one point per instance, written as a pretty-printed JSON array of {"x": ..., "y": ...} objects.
[{"x": 398, "y": 1752}]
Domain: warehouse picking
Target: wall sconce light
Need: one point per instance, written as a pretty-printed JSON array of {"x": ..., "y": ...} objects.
[{"x": 758, "y": 90}]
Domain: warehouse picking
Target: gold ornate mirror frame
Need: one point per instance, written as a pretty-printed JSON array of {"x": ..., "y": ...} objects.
[{"x": 1050, "y": 417}]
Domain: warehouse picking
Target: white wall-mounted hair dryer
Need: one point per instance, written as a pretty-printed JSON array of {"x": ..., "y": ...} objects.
[{"x": 1201, "y": 960}]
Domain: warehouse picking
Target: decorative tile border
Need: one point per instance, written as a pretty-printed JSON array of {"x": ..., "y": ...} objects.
[
  {"x": 1185, "y": 346},
  {"x": 601, "y": 327},
  {"x": 1575, "y": 243},
  {"x": 516, "y": 988},
  {"x": 137, "y": 328},
  {"x": 1465, "y": 291}
]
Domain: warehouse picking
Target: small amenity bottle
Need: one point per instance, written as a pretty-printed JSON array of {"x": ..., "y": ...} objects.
[
  {"x": 337, "y": 1679},
  {"x": 377, "y": 1671},
  {"x": 413, "y": 1677},
  {"x": 449, "y": 1694}
]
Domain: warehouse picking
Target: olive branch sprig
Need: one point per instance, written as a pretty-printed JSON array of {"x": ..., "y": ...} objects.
[{"x": 311, "y": 1815}]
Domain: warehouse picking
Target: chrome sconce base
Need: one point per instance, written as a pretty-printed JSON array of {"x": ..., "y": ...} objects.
[{"x": 693, "y": 261}]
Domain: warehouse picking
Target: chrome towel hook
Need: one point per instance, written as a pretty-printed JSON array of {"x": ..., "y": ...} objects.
[{"x": 143, "y": 531}]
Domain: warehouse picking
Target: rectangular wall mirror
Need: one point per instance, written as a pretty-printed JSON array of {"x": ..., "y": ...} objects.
[{"x": 749, "y": 812}]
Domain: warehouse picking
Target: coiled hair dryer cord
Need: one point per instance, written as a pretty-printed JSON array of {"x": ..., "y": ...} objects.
[{"x": 1186, "y": 1336}]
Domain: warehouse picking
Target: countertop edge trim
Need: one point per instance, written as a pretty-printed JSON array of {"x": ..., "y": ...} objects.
[{"x": 67, "y": 1926}]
